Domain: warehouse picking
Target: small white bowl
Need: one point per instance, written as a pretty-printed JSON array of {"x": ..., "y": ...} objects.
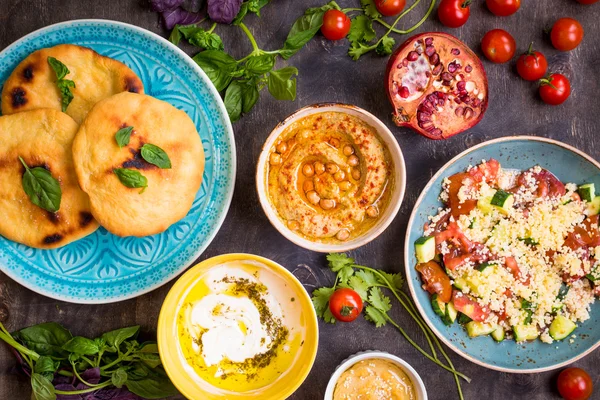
[
  {"x": 372, "y": 354},
  {"x": 399, "y": 178}
]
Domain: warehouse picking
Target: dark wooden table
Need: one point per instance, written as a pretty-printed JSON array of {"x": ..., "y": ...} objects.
[{"x": 328, "y": 74}]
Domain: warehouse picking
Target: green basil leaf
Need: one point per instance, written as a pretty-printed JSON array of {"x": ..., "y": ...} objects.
[
  {"x": 175, "y": 36},
  {"x": 241, "y": 14},
  {"x": 361, "y": 30},
  {"x": 233, "y": 101},
  {"x": 131, "y": 178},
  {"x": 260, "y": 65},
  {"x": 41, "y": 187},
  {"x": 255, "y": 5},
  {"x": 386, "y": 46},
  {"x": 59, "y": 68},
  {"x": 45, "y": 339},
  {"x": 46, "y": 366},
  {"x": 42, "y": 388},
  {"x": 149, "y": 383},
  {"x": 118, "y": 336},
  {"x": 150, "y": 359},
  {"x": 200, "y": 38},
  {"x": 218, "y": 66},
  {"x": 65, "y": 86},
  {"x": 370, "y": 8},
  {"x": 155, "y": 155},
  {"x": 81, "y": 345},
  {"x": 301, "y": 32},
  {"x": 149, "y": 347},
  {"x": 249, "y": 96},
  {"x": 282, "y": 85},
  {"x": 123, "y": 136},
  {"x": 118, "y": 378}
]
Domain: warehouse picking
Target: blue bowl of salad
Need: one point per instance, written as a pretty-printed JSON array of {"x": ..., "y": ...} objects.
[{"x": 502, "y": 254}]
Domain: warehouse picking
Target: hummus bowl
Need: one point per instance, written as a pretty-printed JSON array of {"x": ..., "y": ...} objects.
[
  {"x": 331, "y": 177},
  {"x": 237, "y": 326}
]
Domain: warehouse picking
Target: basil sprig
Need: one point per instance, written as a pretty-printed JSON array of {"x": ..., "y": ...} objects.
[
  {"x": 64, "y": 85},
  {"x": 41, "y": 187},
  {"x": 131, "y": 178},
  {"x": 123, "y": 136},
  {"x": 156, "y": 156}
]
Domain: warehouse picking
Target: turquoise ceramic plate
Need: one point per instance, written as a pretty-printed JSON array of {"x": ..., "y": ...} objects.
[
  {"x": 520, "y": 152},
  {"x": 103, "y": 268}
]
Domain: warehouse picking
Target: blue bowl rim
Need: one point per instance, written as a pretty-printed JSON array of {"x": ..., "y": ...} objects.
[{"x": 407, "y": 249}]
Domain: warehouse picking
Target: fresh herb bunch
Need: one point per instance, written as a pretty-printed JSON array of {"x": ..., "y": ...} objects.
[
  {"x": 66, "y": 367},
  {"x": 370, "y": 284}
]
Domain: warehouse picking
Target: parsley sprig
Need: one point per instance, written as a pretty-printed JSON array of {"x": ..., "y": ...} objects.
[{"x": 370, "y": 284}]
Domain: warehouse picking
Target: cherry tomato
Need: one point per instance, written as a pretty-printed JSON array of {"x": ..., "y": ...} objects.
[
  {"x": 555, "y": 89},
  {"x": 454, "y": 13},
  {"x": 498, "y": 46},
  {"x": 336, "y": 25},
  {"x": 503, "y": 8},
  {"x": 587, "y": 1},
  {"x": 436, "y": 280},
  {"x": 575, "y": 384},
  {"x": 390, "y": 7},
  {"x": 469, "y": 306},
  {"x": 345, "y": 305},
  {"x": 566, "y": 34},
  {"x": 532, "y": 65}
]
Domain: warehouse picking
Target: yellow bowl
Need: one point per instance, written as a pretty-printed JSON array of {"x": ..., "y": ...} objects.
[{"x": 191, "y": 385}]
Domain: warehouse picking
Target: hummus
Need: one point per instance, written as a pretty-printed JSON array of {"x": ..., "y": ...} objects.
[
  {"x": 240, "y": 327},
  {"x": 330, "y": 177},
  {"x": 374, "y": 379}
]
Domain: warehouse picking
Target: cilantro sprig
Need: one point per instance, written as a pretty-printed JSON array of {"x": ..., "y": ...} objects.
[{"x": 372, "y": 285}]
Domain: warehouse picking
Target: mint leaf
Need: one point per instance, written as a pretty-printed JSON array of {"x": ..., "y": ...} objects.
[
  {"x": 379, "y": 301},
  {"x": 123, "y": 136},
  {"x": 338, "y": 261},
  {"x": 361, "y": 29},
  {"x": 375, "y": 316},
  {"x": 41, "y": 187},
  {"x": 156, "y": 156}
]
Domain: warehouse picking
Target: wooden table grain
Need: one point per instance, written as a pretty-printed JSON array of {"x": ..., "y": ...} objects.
[{"x": 328, "y": 74}]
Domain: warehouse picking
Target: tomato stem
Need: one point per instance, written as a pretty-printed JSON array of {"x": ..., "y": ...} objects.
[
  {"x": 530, "y": 49},
  {"x": 466, "y": 3},
  {"x": 547, "y": 81}
]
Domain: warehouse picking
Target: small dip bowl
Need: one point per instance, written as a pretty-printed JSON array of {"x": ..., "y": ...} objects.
[
  {"x": 415, "y": 379},
  {"x": 327, "y": 153}
]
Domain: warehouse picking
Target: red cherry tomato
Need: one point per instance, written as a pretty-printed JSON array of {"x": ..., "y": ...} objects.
[
  {"x": 336, "y": 25},
  {"x": 587, "y": 1},
  {"x": 575, "y": 384},
  {"x": 345, "y": 305},
  {"x": 503, "y": 8},
  {"x": 566, "y": 34},
  {"x": 555, "y": 89},
  {"x": 390, "y": 7},
  {"x": 498, "y": 46},
  {"x": 532, "y": 65},
  {"x": 454, "y": 13}
]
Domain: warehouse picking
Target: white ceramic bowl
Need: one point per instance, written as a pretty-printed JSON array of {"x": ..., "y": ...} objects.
[
  {"x": 366, "y": 355},
  {"x": 399, "y": 176}
]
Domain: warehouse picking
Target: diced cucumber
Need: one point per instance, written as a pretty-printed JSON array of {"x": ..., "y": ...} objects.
[
  {"x": 503, "y": 199},
  {"x": 439, "y": 307},
  {"x": 498, "y": 334},
  {"x": 482, "y": 267},
  {"x": 561, "y": 327},
  {"x": 463, "y": 319},
  {"x": 593, "y": 207},
  {"x": 475, "y": 329},
  {"x": 587, "y": 192},
  {"x": 484, "y": 204},
  {"x": 451, "y": 313},
  {"x": 425, "y": 249},
  {"x": 525, "y": 332},
  {"x": 460, "y": 283},
  {"x": 475, "y": 285}
]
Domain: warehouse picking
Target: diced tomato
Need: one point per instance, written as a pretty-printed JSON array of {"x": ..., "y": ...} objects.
[
  {"x": 456, "y": 207},
  {"x": 460, "y": 247},
  {"x": 487, "y": 171},
  {"x": 435, "y": 280},
  {"x": 453, "y": 261},
  {"x": 469, "y": 306},
  {"x": 548, "y": 184},
  {"x": 513, "y": 267},
  {"x": 568, "y": 278},
  {"x": 588, "y": 236}
]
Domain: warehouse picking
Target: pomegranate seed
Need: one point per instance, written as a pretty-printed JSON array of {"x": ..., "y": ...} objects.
[
  {"x": 426, "y": 125},
  {"x": 456, "y": 52},
  {"x": 468, "y": 69},
  {"x": 423, "y": 116},
  {"x": 432, "y": 98},
  {"x": 434, "y": 59},
  {"x": 412, "y": 56},
  {"x": 461, "y": 85},
  {"x": 404, "y": 92},
  {"x": 469, "y": 113},
  {"x": 405, "y": 62},
  {"x": 428, "y": 41},
  {"x": 427, "y": 107},
  {"x": 438, "y": 69},
  {"x": 441, "y": 102},
  {"x": 427, "y": 74},
  {"x": 429, "y": 51},
  {"x": 457, "y": 100},
  {"x": 459, "y": 111},
  {"x": 436, "y": 132},
  {"x": 452, "y": 67},
  {"x": 446, "y": 76},
  {"x": 476, "y": 103},
  {"x": 440, "y": 95}
]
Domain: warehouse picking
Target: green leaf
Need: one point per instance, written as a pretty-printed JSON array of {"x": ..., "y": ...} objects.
[
  {"x": 260, "y": 65},
  {"x": 41, "y": 187},
  {"x": 150, "y": 359},
  {"x": 396, "y": 280},
  {"x": 359, "y": 286},
  {"x": 42, "y": 388},
  {"x": 249, "y": 96},
  {"x": 320, "y": 300},
  {"x": 131, "y": 178},
  {"x": 65, "y": 86},
  {"x": 175, "y": 36},
  {"x": 370, "y": 8},
  {"x": 233, "y": 101},
  {"x": 218, "y": 66},
  {"x": 118, "y": 336},
  {"x": 368, "y": 277},
  {"x": 344, "y": 274},
  {"x": 149, "y": 383},
  {"x": 123, "y": 136},
  {"x": 374, "y": 315},
  {"x": 358, "y": 49},
  {"x": 46, "y": 366},
  {"x": 149, "y": 347},
  {"x": 156, "y": 156},
  {"x": 361, "y": 30},
  {"x": 59, "y": 68},
  {"x": 386, "y": 46},
  {"x": 255, "y": 5},
  {"x": 379, "y": 301},
  {"x": 200, "y": 38},
  {"x": 45, "y": 339},
  {"x": 81, "y": 345},
  {"x": 118, "y": 378},
  {"x": 282, "y": 85},
  {"x": 338, "y": 261}
]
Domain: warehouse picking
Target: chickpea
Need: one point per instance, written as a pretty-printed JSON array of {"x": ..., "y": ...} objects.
[
  {"x": 345, "y": 185},
  {"x": 319, "y": 168},
  {"x": 294, "y": 225},
  {"x": 356, "y": 174},
  {"x": 335, "y": 142},
  {"x": 332, "y": 168},
  {"x": 308, "y": 186},
  {"x": 353, "y": 161},
  {"x": 343, "y": 234},
  {"x": 275, "y": 159},
  {"x": 372, "y": 212},
  {"x": 281, "y": 147},
  {"x": 339, "y": 176},
  {"x": 348, "y": 150},
  {"x": 327, "y": 204},
  {"x": 313, "y": 197},
  {"x": 308, "y": 170}
]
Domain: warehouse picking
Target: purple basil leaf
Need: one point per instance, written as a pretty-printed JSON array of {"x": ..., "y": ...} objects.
[
  {"x": 67, "y": 388},
  {"x": 59, "y": 379},
  {"x": 223, "y": 11},
  {"x": 91, "y": 375},
  {"x": 181, "y": 17},
  {"x": 192, "y": 5},
  {"x": 165, "y": 5}
]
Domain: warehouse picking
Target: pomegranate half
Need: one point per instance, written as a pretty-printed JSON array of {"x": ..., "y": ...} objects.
[{"x": 437, "y": 85}]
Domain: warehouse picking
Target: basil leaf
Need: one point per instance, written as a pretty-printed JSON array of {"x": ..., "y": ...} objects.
[
  {"x": 81, "y": 345},
  {"x": 123, "y": 136},
  {"x": 156, "y": 156},
  {"x": 118, "y": 336},
  {"x": 131, "y": 178},
  {"x": 386, "y": 46},
  {"x": 249, "y": 96},
  {"x": 149, "y": 383},
  {"x": 200, "y": 38},
  {"x": 59, "y": 68},
  {"x": 281, "y": 84},
  {"x": 175, "y": 36},
  {"x": 218, "y": 66},
  {"x": 45, "y": 339},
  {"x": 64, "y": 85},
  {"x": 240, "y": 16},
  {"x": 259, "y": 65},
  {"x": 42, "y": 388},
  {"x": 256, "y": 5},
  {"x": 233, "y": 101},
  {"x": 42, "y": 188},
  {"x": 46, "y": 366},
  {"x": 150, "y": 359},
  {"x": 118, "y": 378},
  {"x": 361, "y": 29}
]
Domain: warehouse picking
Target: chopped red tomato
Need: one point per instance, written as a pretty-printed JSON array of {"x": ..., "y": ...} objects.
[
  {"x": 586, "y": 236},
  {"x": 436, "y": 280},
  {"x": 460, "y": 248},
  {"x": 487, "y": 171},
  {"x": 548, "y": 184},
  {"x": 513, "y": 267},
  {"x": 469, "y": 306}
]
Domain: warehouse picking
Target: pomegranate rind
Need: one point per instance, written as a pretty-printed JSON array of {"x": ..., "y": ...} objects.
[{"x": 409, "y": 119}]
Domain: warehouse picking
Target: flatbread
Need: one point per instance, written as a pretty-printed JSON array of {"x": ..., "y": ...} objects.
[
  {"x": 43, "y": 138},
  {"x": 33, "y": 85},
  {"x": 170, "y": 193}
]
